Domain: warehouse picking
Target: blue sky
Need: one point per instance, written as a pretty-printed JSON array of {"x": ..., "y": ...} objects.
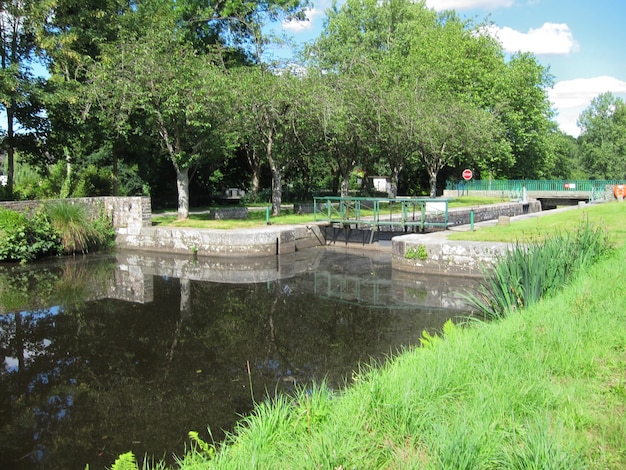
[{"x": 582, "y": 42}]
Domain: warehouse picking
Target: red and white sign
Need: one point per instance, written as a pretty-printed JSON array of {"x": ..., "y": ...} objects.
[{"x": 467, "y": 174}]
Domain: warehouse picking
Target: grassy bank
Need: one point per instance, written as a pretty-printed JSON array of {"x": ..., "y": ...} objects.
[
  {"x": 544, "y": 388},
  {"x": 607, "y": 215}
]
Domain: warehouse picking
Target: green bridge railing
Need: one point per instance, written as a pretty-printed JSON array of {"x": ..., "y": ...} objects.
[
  {"x": 374, "y": 213},
  {"x": 597, "y": 189}
]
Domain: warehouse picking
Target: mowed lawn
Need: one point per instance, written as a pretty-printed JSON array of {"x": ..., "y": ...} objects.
[{"x": 610, "y": 216}]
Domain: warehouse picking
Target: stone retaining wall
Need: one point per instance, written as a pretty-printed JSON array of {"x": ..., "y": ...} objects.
[
  {"x": 225, "y": 213},
  {"x": 127, "y": 214},
  {"x": 491, "y": 212}
]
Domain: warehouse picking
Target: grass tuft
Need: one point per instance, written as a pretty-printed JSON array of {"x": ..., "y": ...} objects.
[
  {"x": 528, "y": 272},
  {"x": 79, "y": 233}
]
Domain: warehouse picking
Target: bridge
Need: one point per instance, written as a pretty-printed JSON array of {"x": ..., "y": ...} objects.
[
  {"x": 551, "y": 193},
  {"x": 374, "y": 214}
]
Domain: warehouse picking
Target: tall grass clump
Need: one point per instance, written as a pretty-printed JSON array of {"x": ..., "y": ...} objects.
[
  {"x": 79, "y": 232},
  {"x": 531, "y": 271}
]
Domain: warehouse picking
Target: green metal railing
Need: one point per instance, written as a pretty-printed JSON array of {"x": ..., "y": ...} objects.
[
  {"x": 513, "y": 189},
  {"x": 534, "y": 185},
  {"x": 375, "y": 213}
]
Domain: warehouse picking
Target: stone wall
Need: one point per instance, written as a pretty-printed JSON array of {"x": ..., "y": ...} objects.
[
  {"x": 224, "y": 213},
  {"x": 127, "y": 214},
  {"x": 491, "y": 212}
]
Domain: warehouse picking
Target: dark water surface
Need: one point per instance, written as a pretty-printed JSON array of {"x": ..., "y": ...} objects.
[{"x": 108, "y": 354}]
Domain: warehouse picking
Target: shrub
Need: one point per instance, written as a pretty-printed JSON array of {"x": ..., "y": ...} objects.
[
  {"x": 79, "y": 232},
  {"x": 25, "y": 238}
]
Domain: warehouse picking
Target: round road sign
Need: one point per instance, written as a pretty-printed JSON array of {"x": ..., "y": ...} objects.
[{"x": 467, "y": 174}]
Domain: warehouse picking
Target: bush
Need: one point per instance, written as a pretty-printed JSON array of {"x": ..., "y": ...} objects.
[
  {"x": 25, "y": 238},
  {"x": 79, "y": 232}
]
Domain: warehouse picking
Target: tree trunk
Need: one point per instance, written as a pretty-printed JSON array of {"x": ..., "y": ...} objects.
[
  {"x": 255, "y": 166},
  {"x": 10, "y": 153},
  {"x": 277, "y": 189},
  {"x": 182, "y": 185},
  {"x": 277, "y": 175},
  {"x": 345, "y": 185},
  {"x": 432, "y": 177},
  {"x": 395, "y": 176}
]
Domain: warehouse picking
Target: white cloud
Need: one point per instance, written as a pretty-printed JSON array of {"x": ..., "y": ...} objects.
[
  {"x": 308, "y": 24},
  {"x": 571, "y": 97},
  {"x": 440, "y": 5},
  {"x": 551, "y": 38}
]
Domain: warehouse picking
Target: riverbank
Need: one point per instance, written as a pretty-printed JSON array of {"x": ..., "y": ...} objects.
[{"x": 543, "y": 388}]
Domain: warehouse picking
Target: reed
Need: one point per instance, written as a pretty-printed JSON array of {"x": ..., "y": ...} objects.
[{"x": 530, "y": 271}]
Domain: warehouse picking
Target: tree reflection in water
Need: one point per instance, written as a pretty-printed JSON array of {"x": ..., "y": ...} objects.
[{"x": 103, "y": 355}]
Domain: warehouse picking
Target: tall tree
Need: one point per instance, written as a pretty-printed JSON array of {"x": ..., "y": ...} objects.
[
  {"x": 269, "y": 104},
  {"x": 71, "y": 38},
  {"x": 181, "y": 93},
  {"x": 434, "y": 77},
  {"x": 523, "y": 106},
  {"x": 603, "y": 137},
  {"x": 20, "y": 91}
]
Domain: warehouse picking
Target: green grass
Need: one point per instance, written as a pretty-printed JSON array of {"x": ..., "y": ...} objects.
[
  {"x": 469, "y": 201},
  {"x": 608, "y": 215},
  {"x": 532, "y": 271},
  {"x": 199, "y": 217},
  {"x": 79, "y": 232},
  {"x": 255, "y": 218},
  {"x": 542, "y": 389}
]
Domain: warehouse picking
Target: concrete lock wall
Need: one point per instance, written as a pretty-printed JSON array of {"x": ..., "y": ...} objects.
[
  {"x": 415, "y": 253},
  {"x": 260, "y": 241},
  {"x": 461, "y": 258},
  {"x": 492, "y": 212}
]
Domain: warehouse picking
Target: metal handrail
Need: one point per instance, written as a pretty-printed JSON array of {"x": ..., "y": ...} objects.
[
  {"x": 533, "y": 185},
  {"x": 377, "y": 212}
]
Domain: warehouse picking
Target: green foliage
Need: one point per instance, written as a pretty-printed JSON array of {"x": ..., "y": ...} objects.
[
  {"x": 418, "y": 252},
  {"x": 28, "y": 183},
  {"x": 207, "y": 449},
  {"x": 24, "y": 238},
  {"x": 94, "y": 181},
  {"x": 125, "y": 461},
  {"x": 603, "y": 137},
  {"x": 531, "y": 271},
  {"x": 428, "y": 340},
  {"x": 80, "y": 232}
]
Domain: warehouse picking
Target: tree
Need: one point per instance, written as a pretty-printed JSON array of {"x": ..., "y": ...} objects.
[
  {"x": 417, "y": 62},
  {"x": 268, "y": 116},
  {"x": 71, "y": 38},
  {"x": 184, "y": 102},
  {"x": 523, "y": 106},
  {"x": 449, "y": 129},
  {"x": 603, "y": 137},
  {"x": 20, "y": 91}
]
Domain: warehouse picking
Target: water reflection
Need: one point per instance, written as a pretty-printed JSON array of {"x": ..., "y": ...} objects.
[{"x": 103, "y": 355}]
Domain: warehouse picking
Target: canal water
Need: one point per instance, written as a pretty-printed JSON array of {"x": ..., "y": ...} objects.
[{"x": 129, "y": 352}]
